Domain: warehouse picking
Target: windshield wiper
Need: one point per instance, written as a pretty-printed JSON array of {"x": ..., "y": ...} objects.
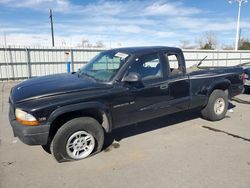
[{"x": 87, "y": 75}]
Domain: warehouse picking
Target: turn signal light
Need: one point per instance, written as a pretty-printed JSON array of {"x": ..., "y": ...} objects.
[{"x": 29, "y": 123}]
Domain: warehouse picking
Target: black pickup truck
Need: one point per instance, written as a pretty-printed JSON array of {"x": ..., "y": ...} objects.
[{"x": 68, "y": 114}]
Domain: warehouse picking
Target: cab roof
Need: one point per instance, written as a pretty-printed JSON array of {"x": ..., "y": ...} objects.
[{"x": 146, "y": 49}]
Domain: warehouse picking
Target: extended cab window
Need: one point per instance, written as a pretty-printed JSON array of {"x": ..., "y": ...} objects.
[
  {"x": 147, "y": 66},
  {"x": 174, "y": 64}
]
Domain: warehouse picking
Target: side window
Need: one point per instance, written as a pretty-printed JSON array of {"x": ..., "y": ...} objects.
[
  {"x": 174, "y": 64},
  {"x": 147, "y": 66}
]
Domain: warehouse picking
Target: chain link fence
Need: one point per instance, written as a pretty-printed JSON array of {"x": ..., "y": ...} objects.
[{"x": 18, "y": 63}]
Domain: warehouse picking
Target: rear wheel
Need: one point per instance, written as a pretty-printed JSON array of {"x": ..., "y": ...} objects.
[
  {"x": 77, "y": 139},
  {"x": 216, "y": 107},
  {"x": 246, "y": 90}
]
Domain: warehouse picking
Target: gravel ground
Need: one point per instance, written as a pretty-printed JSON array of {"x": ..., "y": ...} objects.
[{"x": 181, "y": 150}]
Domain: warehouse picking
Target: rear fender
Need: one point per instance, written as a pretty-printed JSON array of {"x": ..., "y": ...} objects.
[{"x": 220, "y": 84}]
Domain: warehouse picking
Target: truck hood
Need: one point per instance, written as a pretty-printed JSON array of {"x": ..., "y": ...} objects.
[{"x": 52, "y": 85}]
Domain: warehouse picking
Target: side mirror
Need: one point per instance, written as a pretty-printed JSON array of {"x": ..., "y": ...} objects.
[{"x": 132, "y": 77}]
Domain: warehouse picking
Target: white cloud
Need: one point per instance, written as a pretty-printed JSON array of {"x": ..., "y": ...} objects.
[
  {"x": 167, "y": 8},
  {"x": 104, "y": 8},
  {"x": 197, "y": 25},
  {"x": 76, "y": 40},
  {"x": 63, "y": 6},
  {"x": 158, "y": 22},
  {"x": 25, "y": 39},
  {"x": 164, "y": 33}
]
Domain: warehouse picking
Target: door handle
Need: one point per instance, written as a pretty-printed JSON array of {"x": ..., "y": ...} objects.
[{"x": 164, "y": 86}]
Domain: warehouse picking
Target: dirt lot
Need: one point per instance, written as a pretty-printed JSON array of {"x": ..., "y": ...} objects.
[{"x": 181, "y": 150}]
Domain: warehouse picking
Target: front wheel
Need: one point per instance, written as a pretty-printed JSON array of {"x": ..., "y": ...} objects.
[
  {"x": 216, "y": 107},
  {"x": 77, "y": 139}
]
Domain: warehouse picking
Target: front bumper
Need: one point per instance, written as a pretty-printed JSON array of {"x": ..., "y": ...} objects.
[{"x": 31, "y": 135}]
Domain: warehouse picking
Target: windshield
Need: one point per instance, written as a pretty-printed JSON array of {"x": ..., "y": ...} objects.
[{"x": 104, "y": 66}]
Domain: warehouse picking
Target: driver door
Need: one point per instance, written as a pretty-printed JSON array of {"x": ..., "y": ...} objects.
[{"x": 143, "y": 101}]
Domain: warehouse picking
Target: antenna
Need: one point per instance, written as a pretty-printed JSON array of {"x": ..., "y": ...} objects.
[{"x": 201, "y": 61}]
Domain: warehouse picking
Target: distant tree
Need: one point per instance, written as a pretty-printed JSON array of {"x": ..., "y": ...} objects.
[
  {"x": 208, "y": 41},
  {"x": 244, "y": 44},
  {"x": 99, "y": 44},
  {"x": 89, "y": 45},
  {"x": 85, "y": 42},
  {"x": 185, "y": 44},
  {"x": 228, "y": 47}
]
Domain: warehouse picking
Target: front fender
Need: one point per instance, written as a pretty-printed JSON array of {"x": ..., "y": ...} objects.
[{"x": 84, "y": 106}]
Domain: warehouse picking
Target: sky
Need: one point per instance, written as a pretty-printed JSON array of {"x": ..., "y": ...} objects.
[{"x": 121, "y": 23}]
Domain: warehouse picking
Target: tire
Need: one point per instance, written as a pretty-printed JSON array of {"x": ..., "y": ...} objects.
[
  {"x": 216, "y": 107},
  {"x": 47, "y": 148},
  {"x": 246, "y": 90},
  {"x": 77, "y": 139}
]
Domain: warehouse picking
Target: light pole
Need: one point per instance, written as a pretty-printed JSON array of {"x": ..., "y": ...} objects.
[{"x": 238, "y": 21}]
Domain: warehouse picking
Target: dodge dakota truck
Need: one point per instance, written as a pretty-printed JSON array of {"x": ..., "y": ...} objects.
[{"x": 68, "y": 114}]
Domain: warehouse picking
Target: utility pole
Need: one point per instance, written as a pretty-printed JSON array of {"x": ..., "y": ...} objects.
[
  {"x": 238, "y": 21},
  {"x": 239, "y": 37},
  {"x": 51, "y": 25}
]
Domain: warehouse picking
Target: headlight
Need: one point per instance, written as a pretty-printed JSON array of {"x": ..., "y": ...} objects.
[{"x": 25, "y": 118}]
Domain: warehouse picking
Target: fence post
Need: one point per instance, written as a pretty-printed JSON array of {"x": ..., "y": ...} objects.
[
  {"x": 213, "y": 58},
  {"x": 28, "y": 63},
  {"x": 226, "y": 58},
  {"x": 12, "y": 75},
  {"x": 197, "y": 61},
  {"x": 72, "y": 60},
  {"x": 68, "y": 63},
  {"x": 240, "y": 58},
  {"x": 218, "y": 55},
  {"x": 7, "y": 63}
]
